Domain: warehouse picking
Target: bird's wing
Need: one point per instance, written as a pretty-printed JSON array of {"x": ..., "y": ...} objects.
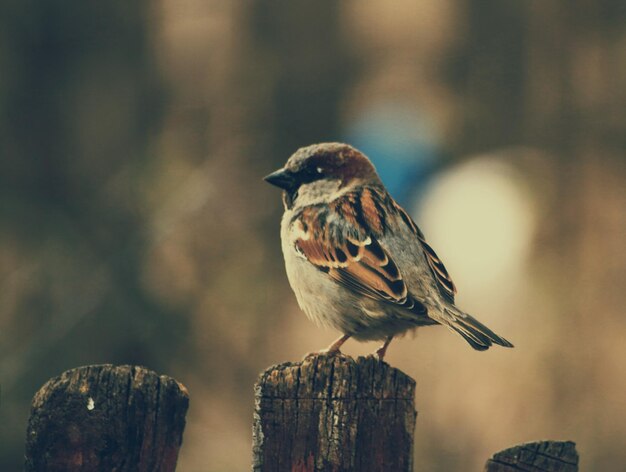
[
  {"x": 444, "y": 282},
  {"x": 353, "y": 257}
]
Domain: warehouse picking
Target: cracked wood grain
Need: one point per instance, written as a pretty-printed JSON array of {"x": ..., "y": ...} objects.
[
  {"x": 334, "y": 413},
  {"x": 541, "y": 456},
  {"x": 105, "y": 417}
]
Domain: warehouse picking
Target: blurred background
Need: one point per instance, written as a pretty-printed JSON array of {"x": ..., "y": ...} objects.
[{"x": 135, "y": 227}]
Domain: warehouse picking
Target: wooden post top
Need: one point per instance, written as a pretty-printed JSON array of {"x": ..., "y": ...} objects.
[{"x": 334, "y": 413}]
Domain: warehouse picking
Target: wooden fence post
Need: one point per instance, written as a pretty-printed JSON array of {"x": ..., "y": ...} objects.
[
  {"x": 332, "y": 413},
  {"x": 104, "y": 417},
  {"x": 541, "y": 456}
]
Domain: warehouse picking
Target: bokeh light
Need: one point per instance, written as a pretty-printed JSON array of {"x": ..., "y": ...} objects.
[{"x": 482, "y": 218}]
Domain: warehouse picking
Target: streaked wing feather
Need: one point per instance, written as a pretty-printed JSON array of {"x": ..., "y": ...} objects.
[
  {"x": 361, "y": 265},
  {"x": 444, "y": 282},
  {"x": 352, "y": 281}
]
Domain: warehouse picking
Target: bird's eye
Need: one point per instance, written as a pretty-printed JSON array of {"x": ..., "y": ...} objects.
[{"x": 320, "y": 170}]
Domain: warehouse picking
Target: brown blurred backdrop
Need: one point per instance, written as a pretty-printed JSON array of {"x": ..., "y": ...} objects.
[{"x": 135, "y": 228}]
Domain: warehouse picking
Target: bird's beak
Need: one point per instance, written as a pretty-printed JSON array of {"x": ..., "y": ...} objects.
[{"x": 282, "y": 178}]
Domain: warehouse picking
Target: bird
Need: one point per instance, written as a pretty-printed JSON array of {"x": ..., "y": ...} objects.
[{"x": 355, "y": 259}]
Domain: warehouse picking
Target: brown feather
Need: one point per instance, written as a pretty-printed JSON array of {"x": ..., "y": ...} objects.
[
  {"x": 363, "y": 264},
  {"x": 370, "y": 211}
]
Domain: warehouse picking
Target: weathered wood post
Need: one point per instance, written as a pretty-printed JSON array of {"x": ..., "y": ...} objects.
[
  {"x": 334, "y": 413},
  {"x": 104, "y": 417},
  {"x": 541, "y": 456}
]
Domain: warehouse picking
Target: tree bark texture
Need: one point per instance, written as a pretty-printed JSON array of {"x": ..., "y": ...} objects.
[
  {"x": 105, "y": 417},
  {"x": 332, "y": 413},
  {"x": 541, "y": 456}
]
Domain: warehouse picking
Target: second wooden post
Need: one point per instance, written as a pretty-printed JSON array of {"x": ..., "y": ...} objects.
[{"x": 334, "y": 413}]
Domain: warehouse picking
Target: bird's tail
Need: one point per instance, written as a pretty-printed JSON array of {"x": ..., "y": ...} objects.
[{"x": 473, "y": 331}]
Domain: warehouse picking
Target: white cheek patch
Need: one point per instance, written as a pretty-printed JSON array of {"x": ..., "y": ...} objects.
[{"x": 319, "y": 191}]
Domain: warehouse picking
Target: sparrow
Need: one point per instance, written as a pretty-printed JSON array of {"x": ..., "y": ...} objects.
[{"x": 356, "y": 260}]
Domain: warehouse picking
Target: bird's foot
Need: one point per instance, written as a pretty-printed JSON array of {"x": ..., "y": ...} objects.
[
  {"x": 326, "y": 352},
  {"x": 332, "y": 350},
  {"x": 382, "y": 350}
]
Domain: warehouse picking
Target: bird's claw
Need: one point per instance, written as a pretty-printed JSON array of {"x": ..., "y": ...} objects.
[
  {"x": 379, "y": 354},
  {"x": 325, "y": 352}
]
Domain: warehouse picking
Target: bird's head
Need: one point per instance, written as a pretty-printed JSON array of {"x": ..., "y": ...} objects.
[{"x": 322, "y": 172}]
